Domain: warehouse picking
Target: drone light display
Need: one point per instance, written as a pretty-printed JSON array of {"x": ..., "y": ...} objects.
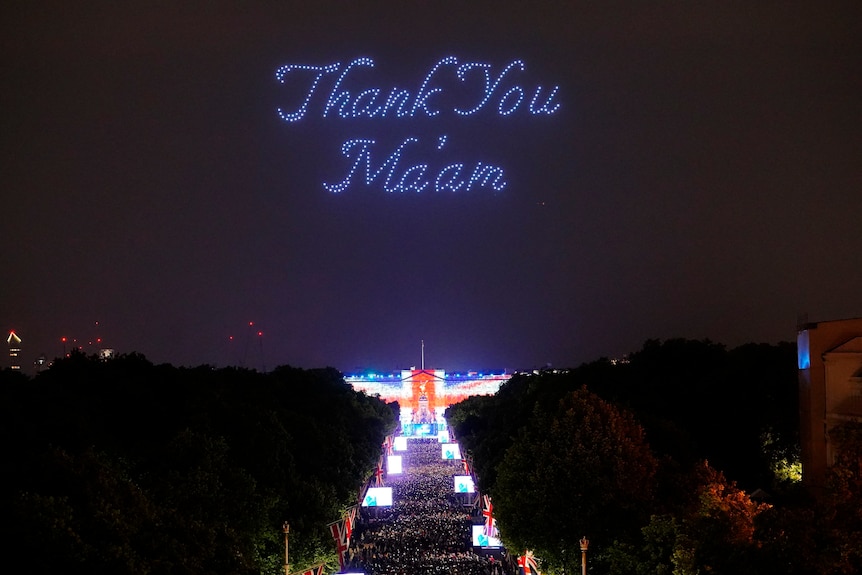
[{"x": 338, "y": 92}]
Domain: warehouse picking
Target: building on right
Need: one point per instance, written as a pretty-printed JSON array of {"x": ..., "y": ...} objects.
[{"x": 830, "y": 390}]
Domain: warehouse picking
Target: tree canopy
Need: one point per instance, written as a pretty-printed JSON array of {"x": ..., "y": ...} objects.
[
  {"x": 123, "y": 466},
  {"x": 651, "y": 456}
]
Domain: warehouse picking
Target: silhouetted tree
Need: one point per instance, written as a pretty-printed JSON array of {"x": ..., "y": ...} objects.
[
  {"x": 122, "y": 466},
  {"x": 583, "y": 469}
]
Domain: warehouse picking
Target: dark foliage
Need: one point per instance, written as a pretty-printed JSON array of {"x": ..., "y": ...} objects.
[
  {"x": 123, "y": 466},
  {"x": 692, "y": 401}
]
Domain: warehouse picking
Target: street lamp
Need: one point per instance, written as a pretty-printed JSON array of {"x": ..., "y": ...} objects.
[
  {"x": 286, "y": 529},
  {"x": 584, "y": 544}
]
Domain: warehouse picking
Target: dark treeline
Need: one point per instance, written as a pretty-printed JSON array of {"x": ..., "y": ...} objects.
[
  {"x": 655, "y": 458},
  {"x": 123, "y": 466}
]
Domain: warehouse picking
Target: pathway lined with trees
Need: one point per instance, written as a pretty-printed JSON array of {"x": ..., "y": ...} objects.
[
  {"x": 427, "y": 531},
  {"x": 124, "y": 467}
]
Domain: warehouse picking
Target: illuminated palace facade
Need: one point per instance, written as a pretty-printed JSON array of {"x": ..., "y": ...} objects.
[
  {"x": 424, "y": 394},
  {"x": 830, "y": 390}
]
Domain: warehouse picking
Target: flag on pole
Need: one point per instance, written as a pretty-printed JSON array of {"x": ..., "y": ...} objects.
[
  {"x": 527, "y": 562},
  {"x": 488, "y": 513},
  {"x": 387, "y": 445},
  {"x": 466, "y": 466},
  {"x": 378, "y": 475},
  {"x": 349, "y": 522},
  {"x": 339, "y": 534}
]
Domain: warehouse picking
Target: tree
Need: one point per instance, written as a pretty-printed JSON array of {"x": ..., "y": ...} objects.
[
  {"x": 711, "y": 531},
  {"x": 843, "y": 501},
  {"x": 584, "y": 470},
  {"x": 122, "y": 466}
]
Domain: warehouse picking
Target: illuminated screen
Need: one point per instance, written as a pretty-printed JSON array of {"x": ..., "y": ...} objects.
[
  {"x": 378, "y": 497},
  {"x": 400, "y": 443},
  {"x": 482, "y": 540},
  {"x": 464, "y": 484},
  {"x": 393, "y": 464},
  {"x": 443, "y": 436},
  {"x": 450, "y": 451}
]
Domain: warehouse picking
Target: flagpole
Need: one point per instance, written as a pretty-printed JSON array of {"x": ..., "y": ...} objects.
[{"x": 286, "y": 528}]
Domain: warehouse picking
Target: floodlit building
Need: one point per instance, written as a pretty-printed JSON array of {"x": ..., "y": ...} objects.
[
  {"x": 830, "y": 390},
  {"x": 424, "y": 394},
  {"x": 14, "y": 343}
]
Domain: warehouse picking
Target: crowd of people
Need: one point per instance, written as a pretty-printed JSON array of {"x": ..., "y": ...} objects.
[{"x": 427, "y": 530}]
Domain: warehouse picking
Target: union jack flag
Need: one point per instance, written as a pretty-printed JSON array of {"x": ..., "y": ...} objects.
[
  {"x": 313, "y": 570},
  {"x": 378, "y": 475},
  {"x": 466, "y": 466},
  {"x": 528, "y": 563},
  {"x": 488, "y": 513},
  {"x": 339, "y": 533},
  {"x": 349, "y": 522},
  {"x": 387, "y": 445}
]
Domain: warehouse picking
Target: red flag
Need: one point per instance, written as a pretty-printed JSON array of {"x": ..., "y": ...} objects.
[
  {"x": 488, "y": 513},
  {"x": 530, "y": 564},
  {"x": 466, "y": 467},
  {"x": 349, "y": 522}
]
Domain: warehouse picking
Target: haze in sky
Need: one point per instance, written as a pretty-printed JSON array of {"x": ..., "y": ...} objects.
[{"x": 594, "y": 176}]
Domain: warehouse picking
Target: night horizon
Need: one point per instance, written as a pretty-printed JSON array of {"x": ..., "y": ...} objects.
[{"x": 637, "y": 173}]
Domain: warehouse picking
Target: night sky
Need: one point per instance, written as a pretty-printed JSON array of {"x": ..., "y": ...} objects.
[{"x": 701, "y": 178}]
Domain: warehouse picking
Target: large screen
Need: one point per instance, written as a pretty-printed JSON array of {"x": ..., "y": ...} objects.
[
  {"x": 400, "y": 443},
  {"x": 464, "y": 484},
  {"x": 378, "y": 497},
  {"x": 450, "y": 451},
  {"x": 393, "y": 464},
  {"x": 482, "y": 540}
]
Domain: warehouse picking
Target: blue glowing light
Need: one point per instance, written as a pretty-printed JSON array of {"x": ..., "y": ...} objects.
[
  {"x": 282, "y": 72},
  {"x": 350, "y": 95},
  {"x": 395, "y": 177},
  {"x": 370, "y": 102},
  {"x": 803, "y": 350}
]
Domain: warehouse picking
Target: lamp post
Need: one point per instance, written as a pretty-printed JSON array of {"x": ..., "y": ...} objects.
[
  {"x": 584, "y": 544},
  {"x": 286, "y": 528}
]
